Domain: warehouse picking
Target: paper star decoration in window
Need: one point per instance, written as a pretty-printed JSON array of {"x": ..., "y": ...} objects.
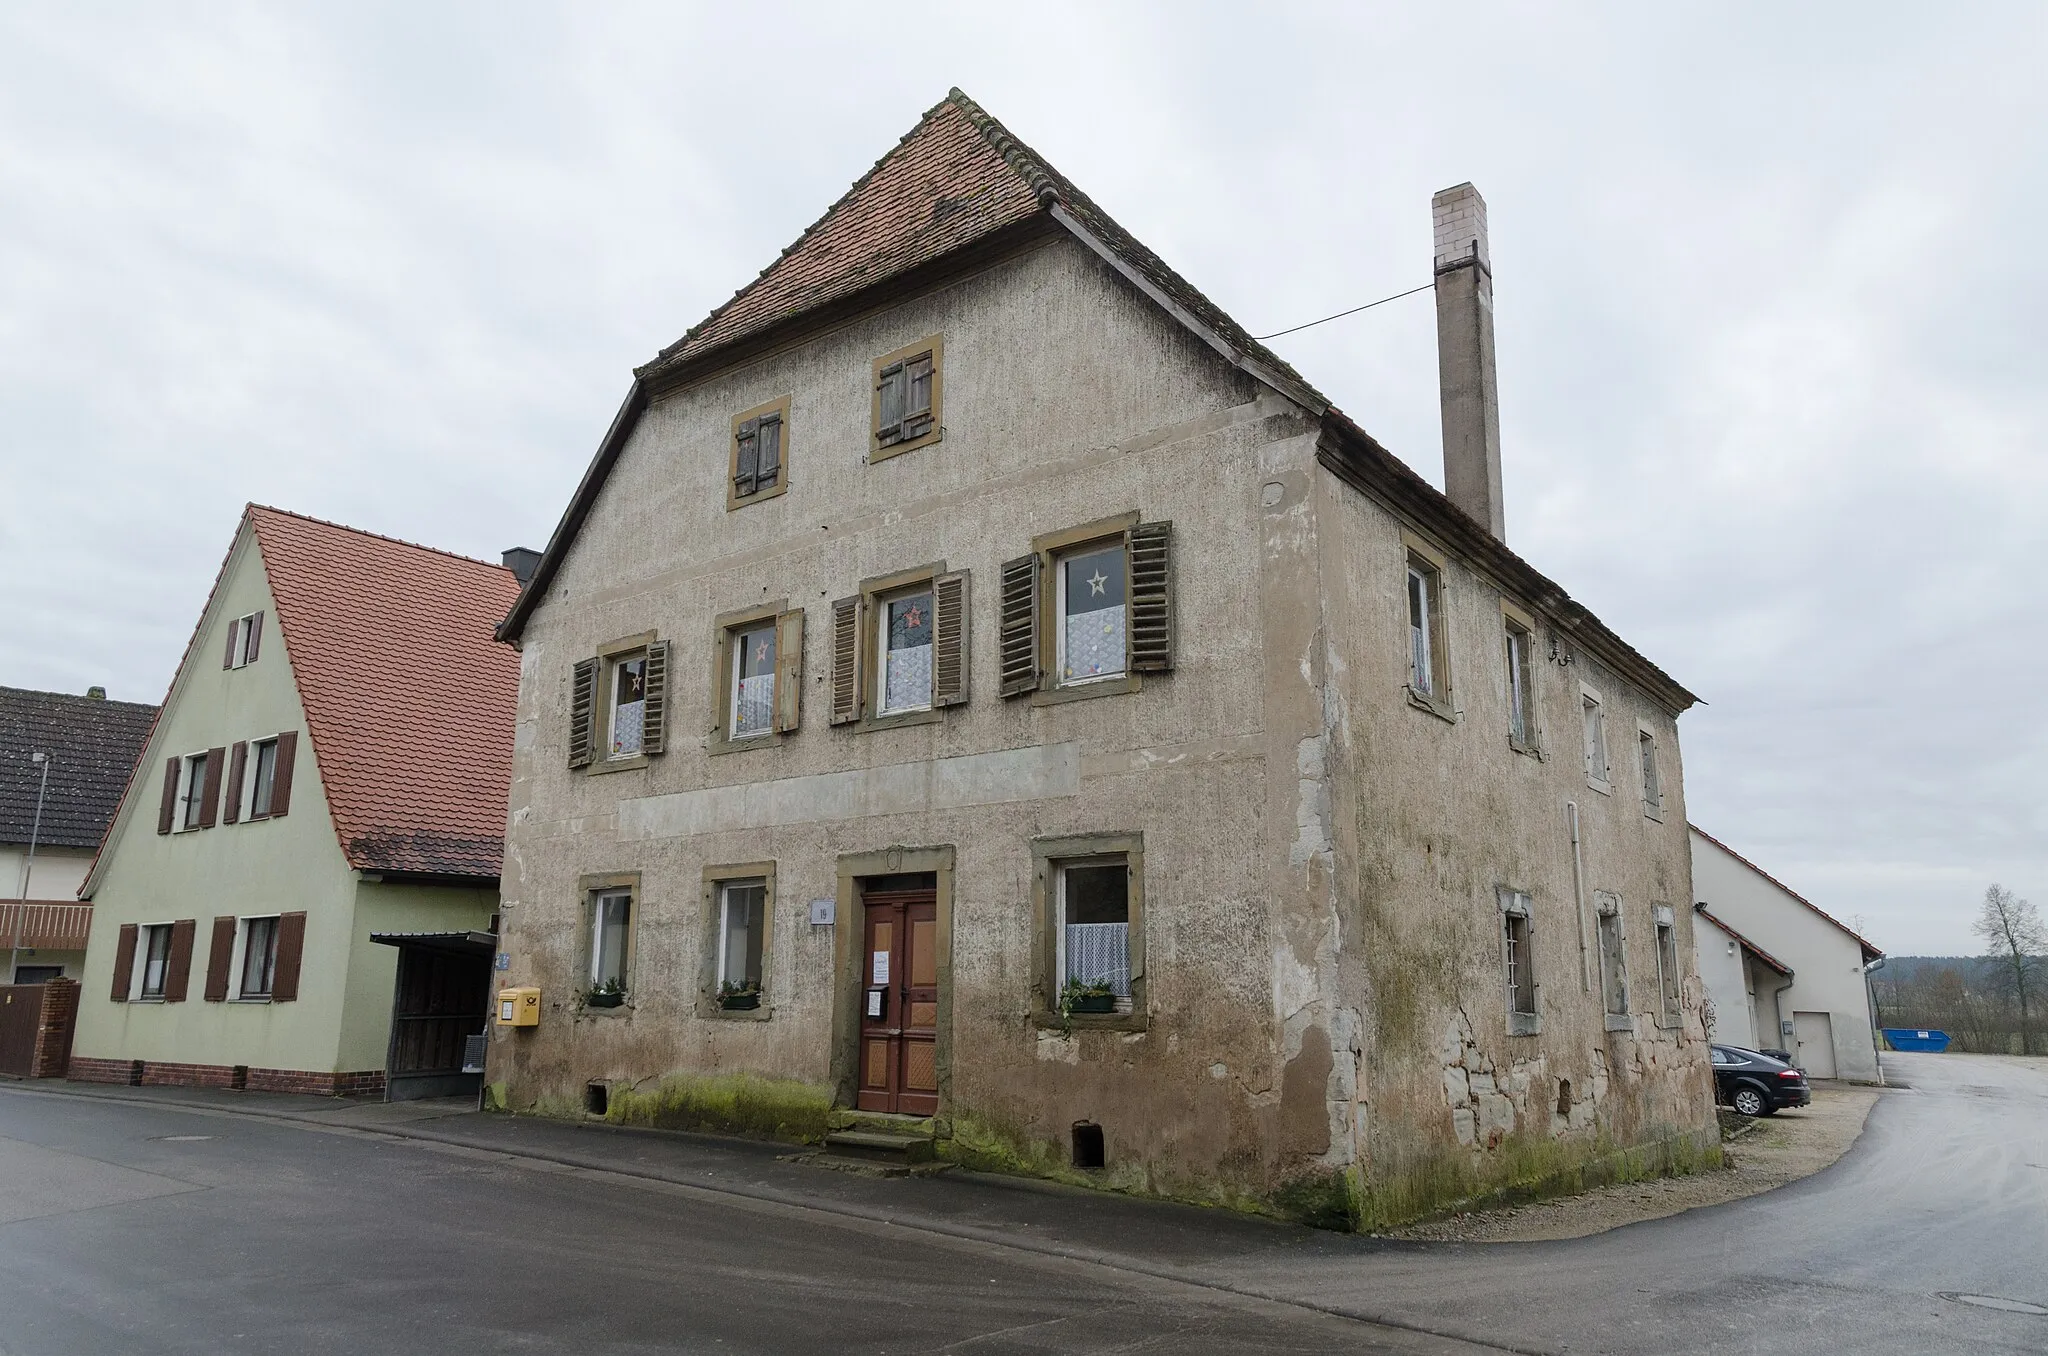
[{"x": 1095, "y": 583}]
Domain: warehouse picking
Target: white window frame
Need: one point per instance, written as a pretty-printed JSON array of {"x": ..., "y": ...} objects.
[
  {"x": 242, "y": 625},
  {"x": 595, "y": 959},
  {"x": 725, "y": 893},
  {"x": 1421, "y": 587},
  {"x": 191, "y": 792},
  {"x": 252, "y": 779},
  {"x": 1593, "y": 737},
  {"x": 1064, "y": 558},
  {"x": 138, "y": 978},
  {"x": 238, "y": 959},
  {"x": 735, "y": 640},
  {"x": 882, "y": 606},
  {"x": 615, "y": 670},
  {"x": 1060, "y": 867}
]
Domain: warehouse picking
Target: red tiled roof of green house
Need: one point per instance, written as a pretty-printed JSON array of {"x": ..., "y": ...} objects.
[{"x": 408, "y": 700}]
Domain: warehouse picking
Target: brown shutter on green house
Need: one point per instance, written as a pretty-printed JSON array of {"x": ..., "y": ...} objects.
[
  {"x": 789, "y": 669},
  {"x": 845, "y": 661},
  {"x": 167, "y": 809},
  {"x": 1151, "y": 633},
  {"x": 209, "y": 788},
  {"x": 582, "y": 712},
  {"x": 654, "y": 717},
  {"x": 747, "y": 464},
  {"x": 1017, "y": 634},
  {"x": 949, "y": 639},
  {"x": 218, "y": 956},
  {"x": 281, "y": 774},
  {"x": 234, "y": 630},
  {"x": 124, "y": 962},
  {"x": 255, "y": 637},
  {"x": 291, "y": 947},
  {"x": 178, "y": 968},
  {"x": 236, "y": 762}
]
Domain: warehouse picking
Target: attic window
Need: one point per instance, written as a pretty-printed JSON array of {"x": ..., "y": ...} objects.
[
  {"x": 245, "y": 635},
  {"x": 906, "y": 405},
  {"x": 760, "y": 453}
]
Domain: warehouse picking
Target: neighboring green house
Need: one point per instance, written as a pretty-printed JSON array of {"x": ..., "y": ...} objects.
[{"x": 329, "y": 769}]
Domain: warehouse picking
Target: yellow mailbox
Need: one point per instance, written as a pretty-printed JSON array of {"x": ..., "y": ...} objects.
[{"x": 519, "y": 1007}]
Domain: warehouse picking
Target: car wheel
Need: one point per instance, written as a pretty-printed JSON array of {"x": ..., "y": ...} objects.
[{"x": 1747, "y": 1101}]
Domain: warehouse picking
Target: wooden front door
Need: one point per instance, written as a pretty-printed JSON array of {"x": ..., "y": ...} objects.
[{"x": 899, "y": 1019}]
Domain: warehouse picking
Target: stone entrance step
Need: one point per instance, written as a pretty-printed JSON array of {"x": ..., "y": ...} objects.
[{"x": 882, "y": 1146}]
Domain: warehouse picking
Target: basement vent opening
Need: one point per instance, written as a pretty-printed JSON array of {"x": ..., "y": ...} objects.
[
  {"x": 1564, "y": 1096},
  {"x": 597, "y": 1098},
  {"x": 238, "y": 1078},
  {"x": 1087, "y": 1145}
]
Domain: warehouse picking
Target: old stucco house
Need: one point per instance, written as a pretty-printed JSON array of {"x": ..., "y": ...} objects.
[
  {"x": 981, "y": 701},
  {"x": 326, "y": 776}
]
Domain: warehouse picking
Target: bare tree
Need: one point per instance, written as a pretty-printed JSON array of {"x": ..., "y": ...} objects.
[{"x": 2015, "y": 943}]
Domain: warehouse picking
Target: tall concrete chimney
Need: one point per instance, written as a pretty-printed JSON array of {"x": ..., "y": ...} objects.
[{"x": 1464, "y": 357}]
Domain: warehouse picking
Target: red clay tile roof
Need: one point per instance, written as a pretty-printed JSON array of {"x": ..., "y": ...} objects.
[
  {"x": 943, "y": 186},
  {"x": 408, "y": 699}
]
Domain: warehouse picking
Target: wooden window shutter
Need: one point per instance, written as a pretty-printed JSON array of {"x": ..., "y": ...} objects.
[
  {"x": 166, "y": 813},
  {"x": 583, "y": 713},
  {"x": 124, "y": 962},
  {"x": 234, "y": 634},
  {"x": 178, "y": 967},
  {"x": 218, "y": 956},
  {"x": 654, "y": 717},
  {"x": 281, "y": 774},
  {"x": 769, "y": 441},
  {"x": 291, "y": 946},
  {"x": 789, "y": 669},
  {"x": 846, "y": 690},
  {"x": 949, "y": 639},
  {"x": 1017, "y": 638},
  {"x": 747, "y": 467},
  {"x": 917, "y": 397},
  {"x": 255, "y": 637},
  {"x": 236, "y": 763},
  {"x": 1151, "y": 547},
  {"x": 889, "y": 416},
  {"x": 209, "y": 790}
]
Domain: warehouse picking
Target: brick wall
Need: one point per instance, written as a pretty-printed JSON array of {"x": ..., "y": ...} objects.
[
  {"x": 53, "y": 1034},
  {"x": 158, "y": 1073}
]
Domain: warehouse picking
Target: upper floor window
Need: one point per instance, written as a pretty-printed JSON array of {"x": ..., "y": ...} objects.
[
  {"x": 195, "y": 792},
  {"x": 1521, "y": 701},
  {"x": 1653, "y": 789},
  {"x": 245, "y": 635},
  {"x": 618, "y": 704},
  {"x": 1089, "y": 608},
  {"x": 260, "y": 778},
  {"x": 906, "y": 405},
  {"x": 759, "y": 454},
  {"x": 899, "y": 647},
  {"x": 1593, "y": 719},
  {"x": 1429, "y": 665},
  {"x": 904, "y": 644},
  {"x": 757, "y": 682}
]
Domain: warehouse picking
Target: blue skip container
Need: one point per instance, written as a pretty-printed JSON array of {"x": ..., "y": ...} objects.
[{"x": 1905, "y": 1038}]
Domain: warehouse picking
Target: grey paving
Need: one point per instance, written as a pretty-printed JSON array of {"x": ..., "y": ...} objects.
[{"x": 316, "y": 1226}]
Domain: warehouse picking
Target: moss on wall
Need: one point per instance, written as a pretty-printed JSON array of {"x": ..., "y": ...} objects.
[{"x": 727, "y": 1104}]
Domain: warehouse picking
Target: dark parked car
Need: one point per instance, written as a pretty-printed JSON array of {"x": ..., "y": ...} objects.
[{"x": 1756, "y": 1084}]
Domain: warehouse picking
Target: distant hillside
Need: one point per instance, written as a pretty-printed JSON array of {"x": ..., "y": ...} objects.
[{"x": 1908, "y": 968}]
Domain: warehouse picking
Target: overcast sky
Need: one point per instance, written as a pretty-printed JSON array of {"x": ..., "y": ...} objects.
[{"x": 1769, "y": 285}]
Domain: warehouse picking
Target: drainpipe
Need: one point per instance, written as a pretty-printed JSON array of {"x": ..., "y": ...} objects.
[
  {"x": 1778, "y": 1007},
  {"x": 1571, "y": 814}
]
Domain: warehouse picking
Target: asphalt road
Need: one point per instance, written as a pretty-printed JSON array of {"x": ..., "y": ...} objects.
[{"x": 175, "y": 1228}]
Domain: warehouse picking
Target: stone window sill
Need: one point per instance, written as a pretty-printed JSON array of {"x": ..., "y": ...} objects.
[
  {"x": 1522, "y": 746},
  {"x": 1604, "y": 788},
  {"x": 603, "y": 765},
  {"x": 1099, "y": 687},
  {"x": 1653, "y": 811},
  {"x": 1620, "y": 1022},
  {"x": 718, "y": 743},
  {"x": 1091, "y": 1021},
  {"x": 624, "y": 1009},
  {"x": 711, "y": 1011},
  {"x": 1422, "y": 701},
  {"x": 1525, "y": 1024}
]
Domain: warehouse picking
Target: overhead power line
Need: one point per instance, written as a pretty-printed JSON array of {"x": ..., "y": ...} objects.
[{"x": 1341, "y": 314}]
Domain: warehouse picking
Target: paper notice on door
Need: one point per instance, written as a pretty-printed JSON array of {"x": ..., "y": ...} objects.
[
  {"x": 874, "y": 1002},
  {"x": 881, "y": 968}
]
